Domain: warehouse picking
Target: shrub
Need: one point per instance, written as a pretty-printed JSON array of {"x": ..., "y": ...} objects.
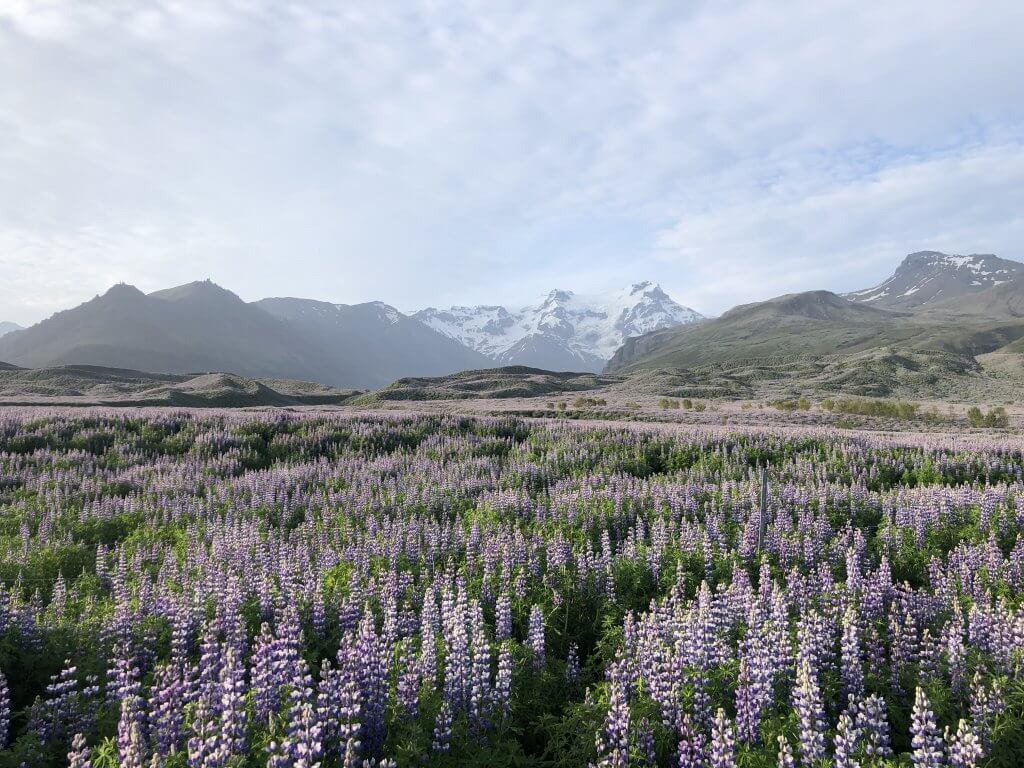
[{"x": 996, "y": 417}]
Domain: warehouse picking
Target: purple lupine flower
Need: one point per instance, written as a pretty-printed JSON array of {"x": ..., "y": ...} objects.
[
  {"x": 63, "y": 711},
  {"x": 785, "y": 757},
  {"x": 874, "y": 724},
  {"x": 480, "y": 668},
  {"x": 503, "y": 680},
  {"x": 811, "y": 714},
  {"x": 925, "y": 737},
  {"x": 723, "y": 742},
  {"x": 692, "y": 748},
  {"x": 5, "y": 711},
  {"x": 130, "y": 744},
  {"x": 985, "y": 703},
  {"x": 80, "y": 755},
  {"x": 748, "y": 709},
  {"x": 373, "y": 686},
  {"x": 408, "y": 688},
  {"x": 613, "y": 741},
  {"x": 503, "y": 618},
  {"x": 204, "y": 744},
  {"x": 166, "y": 713},
  {"x": 645, "y": 743},
  {"x": 350, "y": 758},
  {"x": 964, "y": 746},
  {"x": 852, "y": 670},
  {"x": 266, "y": 693},
  {"x": 233, "y": 713},
  {"x": 847, "y": 738},
  {"x": 572, "y": 664},
  {"x": 535, "y": 637},
  {"x": 442, "y": 729},
  {"x": 305, "y": 737}
]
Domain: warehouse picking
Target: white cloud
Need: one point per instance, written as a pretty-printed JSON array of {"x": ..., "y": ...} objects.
[
  {"x": 454, "y": 150},
  {"x": 835, "y": 236}
]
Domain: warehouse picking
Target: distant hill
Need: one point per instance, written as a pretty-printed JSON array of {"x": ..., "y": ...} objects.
[
  {"x": 373, "y": 342},
  {"x": 6, "y": 327},
  {"x": 203, "y": 327},
  {"x": 194, "y": 327},
  {"x": 819, "y": 323},
  {"x": 812, "y": 323},
  {"x": 507, "y": 382},
  {"x": 97, "y": 385},
  {"x": 927, "y": 277},
  {"x": 565, "y": 331}
]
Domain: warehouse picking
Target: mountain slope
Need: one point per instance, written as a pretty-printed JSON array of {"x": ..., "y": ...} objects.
[
  {"x": 565, "y": 331},
  {"x": 926, "y": 277},
  {"x": 373, "y": 342},
  {"x": 1004, "y": 301},
  {"x": 490, "y": 383},
  {"x": 6, "y": 327},
  {"x": 87, "y": 385},
  {"x": 813, "y": 323},
  {"x": 821, "y": 323},
  {"x": 195, "y": 327}
]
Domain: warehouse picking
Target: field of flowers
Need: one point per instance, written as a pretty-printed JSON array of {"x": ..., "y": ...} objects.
[{"x": 317, "y": 589}]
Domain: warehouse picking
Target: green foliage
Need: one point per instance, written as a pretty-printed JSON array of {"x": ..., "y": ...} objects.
[
  {"x": 995, "y": 418},
  {"x": 589, "y": 402}
]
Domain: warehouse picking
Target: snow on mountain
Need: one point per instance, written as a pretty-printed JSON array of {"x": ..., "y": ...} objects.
[
  {"x": 566, "y": 330},
  {"x": 928, "y": 276}
]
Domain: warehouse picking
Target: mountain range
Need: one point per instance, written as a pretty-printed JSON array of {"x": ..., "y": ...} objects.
[
  {"x": 202, "y": 327},
  {"x": 951, "y": 309},
  {"x": 7, "y": 327},
  {"x": 928, "y": 276},
  {"x": 563, "y": 332},
  {"x": 937, "y": 314}
]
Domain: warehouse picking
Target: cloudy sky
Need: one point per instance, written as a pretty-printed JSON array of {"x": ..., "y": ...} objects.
[{"x": 454, "y": 151}]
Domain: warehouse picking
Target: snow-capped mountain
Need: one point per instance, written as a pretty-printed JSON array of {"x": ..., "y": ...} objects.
[
  {"x": 565, "y": 331},
  {"x": 928, "y": 276}
]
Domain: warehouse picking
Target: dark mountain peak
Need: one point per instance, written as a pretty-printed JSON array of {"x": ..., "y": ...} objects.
[
  {"x": 922, "y": 257},
  {"x": 122, "y": 290},
  {"x": 558, "y": 296},
  {"x": 816, "y": 305},
  {"x": 649, "y": 289},
  {"x": 199, "y": 290},
  {"x": 925, "y": 277}
]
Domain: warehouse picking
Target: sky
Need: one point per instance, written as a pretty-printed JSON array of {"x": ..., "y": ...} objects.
[{"x": 437, "y": 152}]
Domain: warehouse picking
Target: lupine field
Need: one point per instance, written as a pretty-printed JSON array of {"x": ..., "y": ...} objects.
[{"x": 317, "y": 589}]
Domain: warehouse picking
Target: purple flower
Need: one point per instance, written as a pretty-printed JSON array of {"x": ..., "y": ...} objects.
[
  {"x": 572, "y": 664},
  {"x": 442, "y": 729},
  {"x": 503, "y": 680},
  {"x": 613, "y": 741},
  {"x": 874, "y": 723},
  {"x": 5, "y": 711},
  {"x": 785, "y": 757},
  {"x": 925, "y": 738},
  {"x": 79, "y": 756},
  {"x": 811, "y": 714},
  {"x": 536, "y": 636},
  {"x": 965, "y": 748},
  {"x": 723, "y": 742}
]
